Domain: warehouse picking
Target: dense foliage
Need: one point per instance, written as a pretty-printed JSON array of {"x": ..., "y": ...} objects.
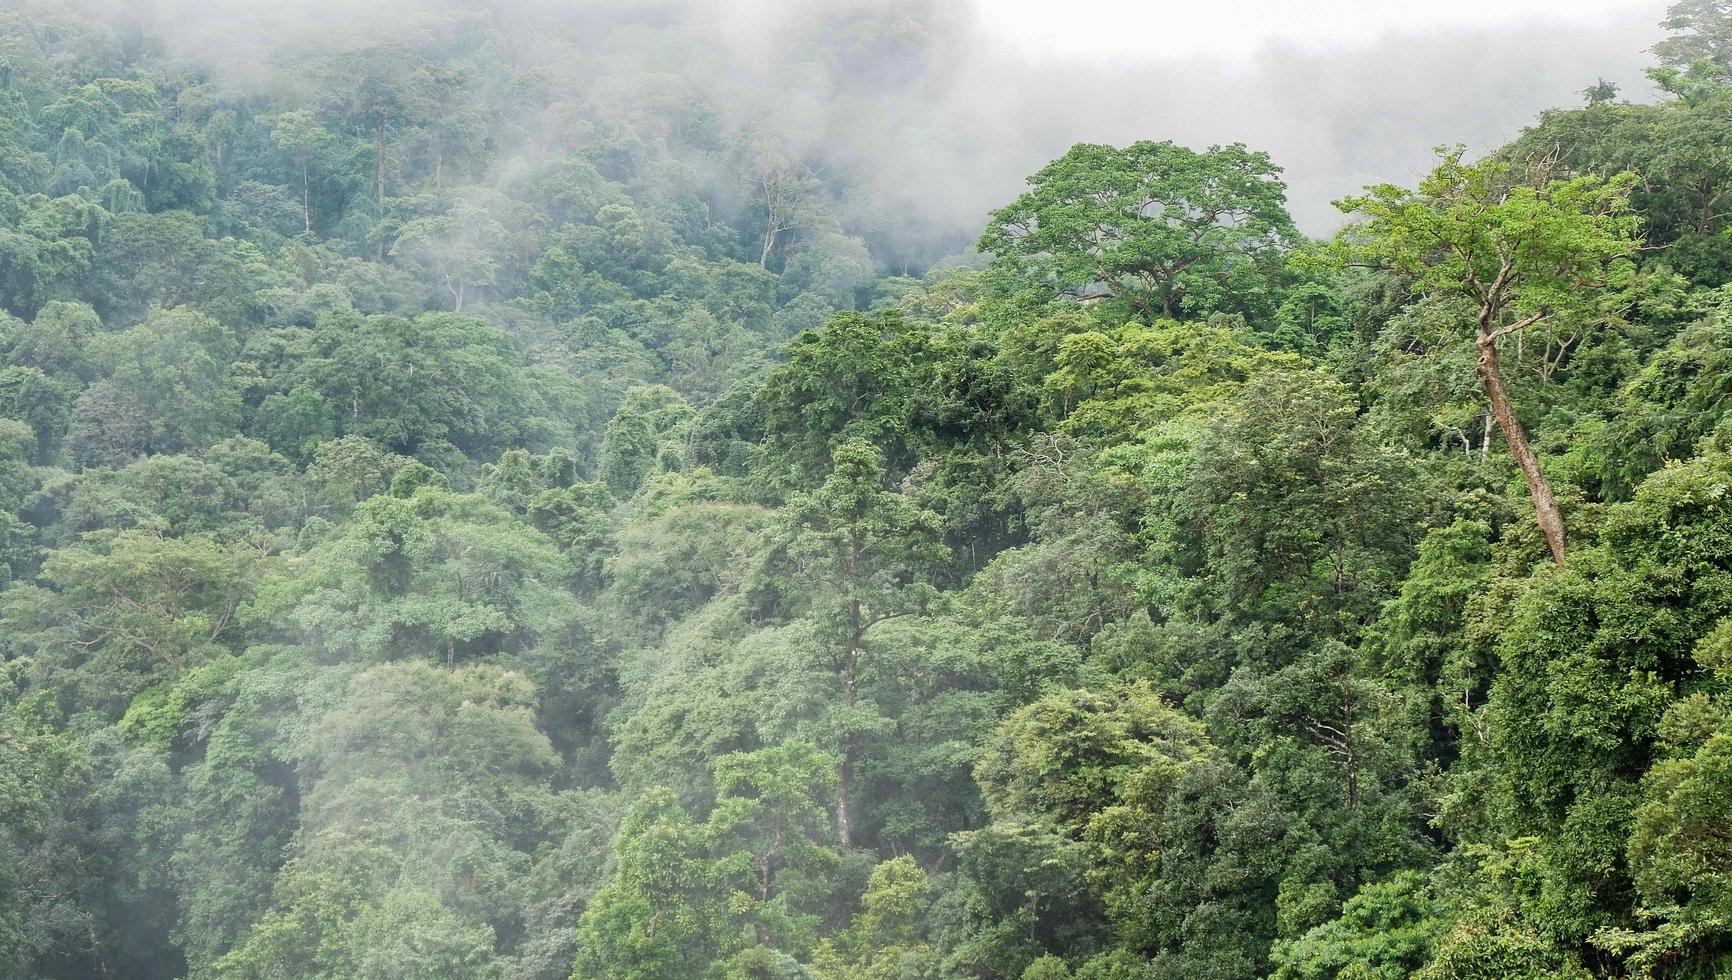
[{"x": 459, "y": 520}]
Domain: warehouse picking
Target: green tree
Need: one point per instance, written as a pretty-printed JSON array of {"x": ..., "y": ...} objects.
[
  {"x": 1302, "y": 520},
  {"x": 645, "y": 434},
  {"x": 419, "y": 787},
  {"x": 883, "y": 942},
  {"x": 458, "y": 249},
  {"x": 661, "y": 914},
  {"x": 412, "y": 386},
  {"x": 1162, "y": 228},
  {"x": 1115, "y": 822},
  {"x": 434, "y": 575},
  {"x": 299, "y": 134},
  {"x": 850, "y": 556},
  {"x": 48, "y": 245},
  {"x": 1602, "y": 716},
  {"x": 1701, "y": 39},
  {"x": 1384, "y": 931},
  {"x": 852, "y": 379},
  {"x": 1521, "y": 250},
  {"x": 122, "y": 611},
  {"x": 769, "y": 832},
  {"x": 164, "y": 389}
]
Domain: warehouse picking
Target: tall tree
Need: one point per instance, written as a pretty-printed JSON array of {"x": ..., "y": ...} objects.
[
  {"x": 1168, "y": 230},
  {"x": 1701, "y": 38},
  {"x": 661, "y": 914},
  {"x": 852, "y": 552},
  {"x": 300, "y": 135},
  {"x": 1523, "y": 249}
]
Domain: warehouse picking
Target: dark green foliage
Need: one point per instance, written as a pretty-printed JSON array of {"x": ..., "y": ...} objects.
[
  {"x": 505, "y": 511},
  {"x": 1162, "y": 229}
]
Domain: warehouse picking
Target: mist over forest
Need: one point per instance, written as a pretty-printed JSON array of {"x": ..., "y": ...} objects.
[
  {"x": 832, "y": 490},
  {"x": 931, "y": 107}
]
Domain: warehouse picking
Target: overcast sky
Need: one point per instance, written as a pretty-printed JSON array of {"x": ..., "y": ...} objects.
[
  {"x": 1235, "y": 30},
  {"x": 1341, "y": 92}
]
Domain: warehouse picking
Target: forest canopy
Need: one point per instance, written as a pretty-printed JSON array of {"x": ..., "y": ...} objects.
[{"x": 484, "y": 512}]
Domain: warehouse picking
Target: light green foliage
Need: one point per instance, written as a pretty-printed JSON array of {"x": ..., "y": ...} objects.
[
  {"x": 1048, "y": 967},
  {"x": 1418, "y": 639},
  {"x": 644, "y": 435},
  {"x": 1674, "y": 145},
  {"x": 1386, "y": 930},
  {"x": 343, "y": 472},
  {"x": 420, "y": 786},
  {"x": 1675, "y": 841},
  {"x": 456, "y": 249},
  {"x": 883, "y": 941},
  {"x": 410, "y": 935},
  {"x": 660, "y": 915},
  {"x": 299, "y": 134},
  {"x": 1478, "y": 951},
  {"x": 123, "y": 611},
  {"x": 1488, "y": 231},
  {"x": 1523, "y": 254},
  {"x": 1066, "y": 757},
  {"x": 1677, "y": 850},
  {"x": 769, "y": 830},
  {"x": 434, "y": 575},
  {"x": 235, "y": 490},
  {"x": 1124, "y": 380},
  {"x": 672, "y": 565},
  {"x": 1121, "y": 803},
  {"x": 240, "y": 801}
]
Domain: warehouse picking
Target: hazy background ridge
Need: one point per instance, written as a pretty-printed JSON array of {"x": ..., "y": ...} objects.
[{"x": 946, "y": 117}]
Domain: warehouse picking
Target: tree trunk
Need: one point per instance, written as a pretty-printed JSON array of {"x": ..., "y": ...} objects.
[
  {"x": 306, "y": 198},
  {"x": 1350, "y": 750},
  {"x": 844, "y": 779},
  {"x": 1545, "y": 504},
  {"x": 379, "y": 186},
  {"x": 379, "y": 168},
  {"x": 845, "y": 768},
  {"x": 96, "y": 947}
]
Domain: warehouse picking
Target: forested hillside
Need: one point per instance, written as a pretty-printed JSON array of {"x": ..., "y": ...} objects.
[{"x": 473, "y": 512}]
